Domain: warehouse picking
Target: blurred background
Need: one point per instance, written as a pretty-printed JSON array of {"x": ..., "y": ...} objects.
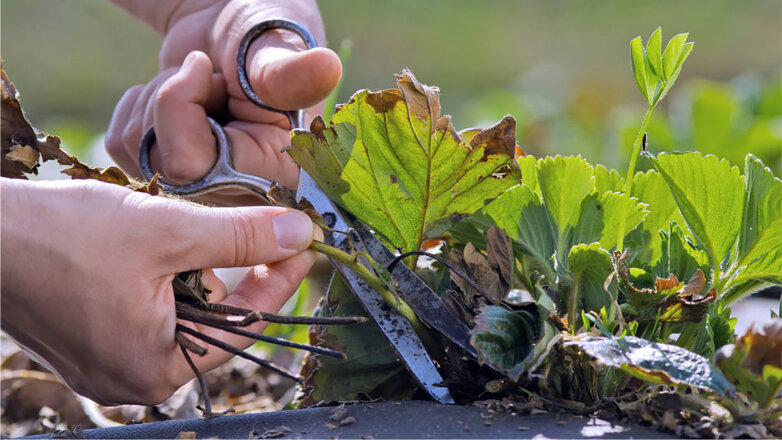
[{"x": 560, "y": 67}]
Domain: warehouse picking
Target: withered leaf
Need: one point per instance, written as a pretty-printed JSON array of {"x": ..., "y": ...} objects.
[
  {"x": 393, "y": 161},
  {"x": 473, "y": 264},
  {"x": 23, "y": 149},
  {"x": 674, "y": 300},
  {"x": 280, "y": 196},
  {"x": 754, "y": 362},
  {"x": 501, "y": 259}
]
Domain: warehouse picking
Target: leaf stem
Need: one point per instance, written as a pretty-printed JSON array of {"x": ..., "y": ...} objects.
[
  {"x": 350, "y": 261},
  {"x": 631, "y": 172}
]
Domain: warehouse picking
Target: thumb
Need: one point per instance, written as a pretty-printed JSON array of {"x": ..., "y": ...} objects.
[
  {"x": 238, "y": 237},
  {"x": 285, "y": 77}
]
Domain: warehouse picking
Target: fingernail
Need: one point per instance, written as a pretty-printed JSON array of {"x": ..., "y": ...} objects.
[{"x": 293, "y": 229}]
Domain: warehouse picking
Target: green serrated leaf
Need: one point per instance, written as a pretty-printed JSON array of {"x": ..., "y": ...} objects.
[
  {"x": 762, "y": 203},
  {"x": 708, "y": 193},
  {"x": 654, "y": 362},
  {"x": 654, "y": 52},
  {"x": 529, "y": 172},
  {"x": 389, "y": 158},
  {"x": 564, "y": 184},
  {"x": 608, "y": 180},
  {"x": 521, "y": 214},
  {"x": 721, "y": 324},
  {"x": 611, "y": 204},
  {"x": 650, "y": 188},
  {"x": 672, "y": 55},
  {"x": 677, "y": 256},
  {"x": 591, "y": 266},
  {"x": 504, "y": 338},
  {"x": 763, "y": 261},
  {"x": 638, "y": 63},
  {"x": 586, "y": 230}
]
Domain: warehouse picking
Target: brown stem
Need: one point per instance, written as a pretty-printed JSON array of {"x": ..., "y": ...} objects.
[
  {"x": 278, "y": 341},
  {"x": 185, "y": 342},
  {"x": 206, "y": 411},
  {"x": 239, "y": 317},
  {"x": 235, "y": 351}
]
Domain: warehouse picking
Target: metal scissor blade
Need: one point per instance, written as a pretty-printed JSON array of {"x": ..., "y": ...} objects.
[
  {"x": 397, "y": 329},
  {"x": 415, "y": 292}
]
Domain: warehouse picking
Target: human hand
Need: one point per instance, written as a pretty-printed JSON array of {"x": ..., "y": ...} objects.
[
  {"x": 87, "y": 270},
  {"x": 198, "y": 77}
]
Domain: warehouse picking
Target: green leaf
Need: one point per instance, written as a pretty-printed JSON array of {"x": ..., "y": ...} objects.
[
  {"x": 529, "y": 172},
  {"x": 611, "y": 204},
  {"x": 678, "y": 257},
  {"x": 504, "y": 338},
  {"x": 638, "y": 62},
  {"x": 721, "y": 324},
  {"x": 763, "y": 261},
  {"x": 608, "y": 180},
  {"x": 708, "y": 192},
  {"x": 762, "y": 206},
  {"x": 591, "y": 266},
  {"x": 654, "y": 53},
  {"x": 650, "y": 188},
  {"x": 564, "y": 184},
  {"x": 672, "y": 79},
  {"x": 672, "y": 57},
  {"x": 654, "y": 362},
  {"x": 521, "y": 214},
  {"x": 586, "y": 230},
  {"x": 371, "y": 367},
  {"x": 389, "y": 158}
]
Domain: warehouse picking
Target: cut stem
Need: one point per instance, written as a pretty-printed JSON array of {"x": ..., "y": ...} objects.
[
  {"x": 235, "y": 351},
  {"x": 210, "y": 313},
  {"x": 278, "y": 341}
]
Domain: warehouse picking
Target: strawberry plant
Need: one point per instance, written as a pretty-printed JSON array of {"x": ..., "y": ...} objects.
[{"x": 579, "y": 280}]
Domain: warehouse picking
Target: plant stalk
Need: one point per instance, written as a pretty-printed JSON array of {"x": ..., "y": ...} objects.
[
  {"x": 352, "y": 263},
  {"x": 631, "y": 172}
]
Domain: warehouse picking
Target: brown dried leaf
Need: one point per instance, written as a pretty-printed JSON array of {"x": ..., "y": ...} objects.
[
  {"x": 23, "y": 149},
  {"x": 473, "y": 264},
  {"x": 764, "y": 347},
  {"x": 501, "y": 259},
  {"x": 673, "y": 300},
  {"x": 25, "y": 154}
]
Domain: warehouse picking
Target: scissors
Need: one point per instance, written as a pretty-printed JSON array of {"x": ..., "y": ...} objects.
[{"x": 412, "y": 289}]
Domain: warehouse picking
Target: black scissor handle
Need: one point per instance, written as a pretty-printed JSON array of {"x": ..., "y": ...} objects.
[{"x": 296, "y": 117}]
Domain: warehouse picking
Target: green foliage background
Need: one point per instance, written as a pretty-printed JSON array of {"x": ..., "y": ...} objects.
[{"x": 561, "y": 68}]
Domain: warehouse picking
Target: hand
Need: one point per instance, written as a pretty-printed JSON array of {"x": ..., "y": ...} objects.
[
  {"x": 198, "y": 77},
  {"x": 87, "y": 270}
]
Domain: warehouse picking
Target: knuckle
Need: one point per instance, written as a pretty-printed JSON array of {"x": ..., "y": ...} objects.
[
  {"x": 177, "y": 168},
  {"x": 246, "y": 236}
]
